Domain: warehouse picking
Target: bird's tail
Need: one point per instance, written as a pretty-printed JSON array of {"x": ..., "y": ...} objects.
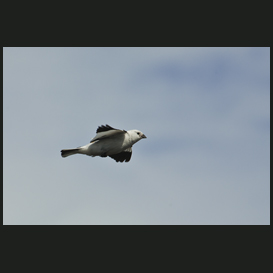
[{"x": 68, "y": 152}]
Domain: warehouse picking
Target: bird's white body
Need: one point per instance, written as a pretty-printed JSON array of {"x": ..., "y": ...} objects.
[
  {"x": 109, "y": 146},
  {"x": 109, "y": 142}
]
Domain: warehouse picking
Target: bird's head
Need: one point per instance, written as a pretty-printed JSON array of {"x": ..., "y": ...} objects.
[{"x": 136, "y": 135}]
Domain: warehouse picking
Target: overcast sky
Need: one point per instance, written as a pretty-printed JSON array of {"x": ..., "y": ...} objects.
[{"x": 205, "y": 112}]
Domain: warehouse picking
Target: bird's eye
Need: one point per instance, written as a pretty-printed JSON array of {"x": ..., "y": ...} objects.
[{"x": 138, "y": 133}]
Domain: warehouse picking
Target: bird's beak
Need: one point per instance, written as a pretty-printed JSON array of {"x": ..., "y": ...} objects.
[{"x": 143, "y": 136}]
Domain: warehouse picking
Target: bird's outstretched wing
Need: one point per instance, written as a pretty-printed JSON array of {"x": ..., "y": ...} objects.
[
  {"x": 106, "y": 131},
  {"x": 125, "y": 155}
]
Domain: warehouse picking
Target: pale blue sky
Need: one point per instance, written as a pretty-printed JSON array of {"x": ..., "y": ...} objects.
[{"x": 205, "y": 112}]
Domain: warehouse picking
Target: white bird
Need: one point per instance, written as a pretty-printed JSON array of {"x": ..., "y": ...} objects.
[{"x": 109, "y": 142}]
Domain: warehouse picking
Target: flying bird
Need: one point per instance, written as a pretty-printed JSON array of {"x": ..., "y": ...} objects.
[{"x": 109, "y": 142}]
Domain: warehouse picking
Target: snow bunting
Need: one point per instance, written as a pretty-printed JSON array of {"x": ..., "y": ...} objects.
[{"x": 109, "y": 142}]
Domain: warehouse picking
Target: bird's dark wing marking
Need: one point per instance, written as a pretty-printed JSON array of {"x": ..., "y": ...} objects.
[
  {"x": 104, "y": 128},
  {"x": 120, "y": 157}
]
